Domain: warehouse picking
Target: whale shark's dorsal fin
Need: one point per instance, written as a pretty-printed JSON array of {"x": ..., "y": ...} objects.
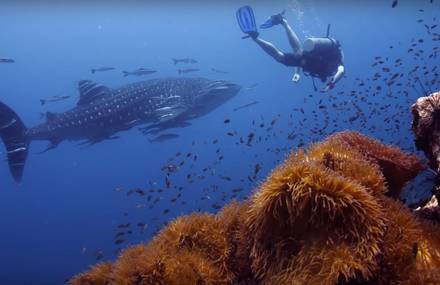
[{"x": 90, "y": 91}]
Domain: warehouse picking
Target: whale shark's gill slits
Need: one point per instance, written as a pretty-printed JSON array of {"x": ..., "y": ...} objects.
[{"x": 90, "y": 91}]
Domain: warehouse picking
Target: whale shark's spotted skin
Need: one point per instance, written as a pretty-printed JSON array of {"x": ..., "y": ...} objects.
[{"x": 102, "y": 112}]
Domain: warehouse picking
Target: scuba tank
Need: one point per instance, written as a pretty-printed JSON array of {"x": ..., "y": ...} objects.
[{"x": 319, "y": 45}]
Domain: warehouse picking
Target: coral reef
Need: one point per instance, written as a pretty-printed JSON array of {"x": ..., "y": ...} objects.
[
  {"x": 328, "y": 215},
  {"x": 100, "y": 274},
  {"x": 313, "y": 208},
  {"x": 396, "y": 166},
  {"x": 426, "y": 127}
]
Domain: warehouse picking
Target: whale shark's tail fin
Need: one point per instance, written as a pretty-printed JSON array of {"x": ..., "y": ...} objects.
[{"x": 13, "y": 135}]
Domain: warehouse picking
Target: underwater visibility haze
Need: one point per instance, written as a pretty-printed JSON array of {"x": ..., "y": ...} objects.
[{"x": 118, "y": 117}]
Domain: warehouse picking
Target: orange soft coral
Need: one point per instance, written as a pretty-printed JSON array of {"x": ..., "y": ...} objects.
[
  {"x": 233, "y": 216},
  {"x": 100, "y": 274},
  {"x": 302, "y": 202},
  {"x": 192, "y": 249},
  {"x": 320, "y": 264},
  {"x": 144, "y": 265},
  {"x": 324, "y": 216},
  {"x": 203, "y": 234},
  {"x": 397, "y": 167},
  {"x": 350, "y": 163},
  {"x": 411, "y": 247}
]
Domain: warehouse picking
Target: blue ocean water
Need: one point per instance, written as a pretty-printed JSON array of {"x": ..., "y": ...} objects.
[{"x": 73, "y": 200}]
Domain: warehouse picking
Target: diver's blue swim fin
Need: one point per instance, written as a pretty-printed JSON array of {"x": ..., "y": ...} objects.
[
  {"x": 273, "y": 20},
  {"x": 246, "y": 21}
]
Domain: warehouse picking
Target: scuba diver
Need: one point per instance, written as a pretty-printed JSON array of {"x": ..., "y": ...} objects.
[{"x": 318, "y": 57}]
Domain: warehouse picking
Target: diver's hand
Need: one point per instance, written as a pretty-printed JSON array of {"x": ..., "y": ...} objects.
[
  {"x": 328, "y": 87},
  {"x": 296, "y": 77}
]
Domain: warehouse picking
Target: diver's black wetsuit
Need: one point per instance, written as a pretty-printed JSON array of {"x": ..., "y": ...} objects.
[{"x": 321, "y": 64}]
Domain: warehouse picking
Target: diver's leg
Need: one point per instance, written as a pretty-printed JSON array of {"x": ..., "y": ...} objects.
[
  {"x": 270, "y": 49},
  {"x": 293, "y": 38}
]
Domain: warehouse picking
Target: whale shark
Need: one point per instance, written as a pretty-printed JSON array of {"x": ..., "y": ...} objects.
[{"x": 101, "y": 112}]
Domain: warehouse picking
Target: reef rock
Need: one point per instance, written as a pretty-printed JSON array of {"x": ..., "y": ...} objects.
[{"x": 426, "y": 127}]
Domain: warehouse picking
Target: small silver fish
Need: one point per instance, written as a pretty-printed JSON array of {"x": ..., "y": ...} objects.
[
  {"x": 188, "y": 70},
  {"x": 100, "y": 69},
  {"x": 139, "y": 71},
  {"x": 53, "y": 99},
  {"x": 252, "y": 87},
  {"x": 219, "y": 71},
  {"x": 246, "y": 105},
  {"x": 184, "y": 60},
  {"x": 6, "y": 60}
]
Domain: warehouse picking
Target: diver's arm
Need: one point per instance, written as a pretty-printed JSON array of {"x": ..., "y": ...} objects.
[{"x": 338, "y": 75}]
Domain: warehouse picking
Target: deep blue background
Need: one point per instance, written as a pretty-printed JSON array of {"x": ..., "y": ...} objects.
[{"x": 67, "y": 209}]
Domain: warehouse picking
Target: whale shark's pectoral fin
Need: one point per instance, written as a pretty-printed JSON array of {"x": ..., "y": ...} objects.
[
  {"x": 54, "y": 142},
  {"x": 92, "y": 141},
  {"x": 160, "y": 127}
]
